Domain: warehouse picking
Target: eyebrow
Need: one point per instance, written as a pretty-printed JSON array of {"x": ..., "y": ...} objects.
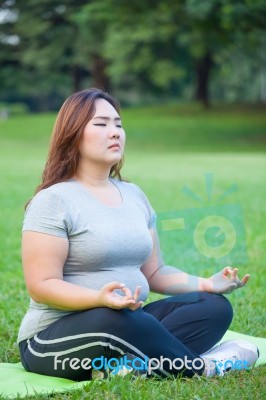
[{"x": 107, "y": 118}]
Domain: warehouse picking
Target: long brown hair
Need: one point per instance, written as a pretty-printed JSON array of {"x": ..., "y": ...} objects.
[{"x": 63, "y": 156}]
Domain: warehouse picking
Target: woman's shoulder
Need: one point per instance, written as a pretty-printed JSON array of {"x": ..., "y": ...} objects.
[
  {"x": 48, "y": 212},
  {"x": 132, "y": 189},
  {"x": 138, "y": 196},
  {"x": 127, "y": 186},
  {"x": 54, "y": 193}
]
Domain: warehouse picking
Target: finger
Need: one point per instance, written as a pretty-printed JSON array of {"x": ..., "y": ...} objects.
[
  {"x": 122, "y": 302},
  {"x": 234, "y": 273},
  {"x": 227, "y": 271},
  {"x": 134, "y": 307},
  {"x": 109, "y": 287},
  {"x": 245, "y": 279},
  {"x": 137, "y": 293},
  {"x": 127, "y": 292}
]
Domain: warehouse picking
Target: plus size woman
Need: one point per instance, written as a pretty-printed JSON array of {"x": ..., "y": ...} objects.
[{"x": 91, "y": 255}]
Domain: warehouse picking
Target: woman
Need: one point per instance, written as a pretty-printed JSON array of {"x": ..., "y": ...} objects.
[{"x": 91, "y": 254}]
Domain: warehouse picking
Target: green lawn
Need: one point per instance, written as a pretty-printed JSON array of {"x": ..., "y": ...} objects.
[{"x": 168, "y": 148}]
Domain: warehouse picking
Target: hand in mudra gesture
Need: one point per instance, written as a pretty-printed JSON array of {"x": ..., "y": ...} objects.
[
  {"x": 226, "y": 281},
  {"x": 111, "y": 299}
]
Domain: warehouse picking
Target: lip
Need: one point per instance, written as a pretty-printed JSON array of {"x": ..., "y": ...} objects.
[{"x": 115, "y": 145}]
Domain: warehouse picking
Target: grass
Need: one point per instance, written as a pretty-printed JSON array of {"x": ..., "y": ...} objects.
[{"x": 168, "y": 147}]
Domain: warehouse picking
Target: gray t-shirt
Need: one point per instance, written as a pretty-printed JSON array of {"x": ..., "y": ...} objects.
[{"x": 105, "y": 243}]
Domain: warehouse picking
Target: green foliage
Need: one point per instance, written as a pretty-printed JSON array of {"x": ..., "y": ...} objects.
[
  {"x": 48, "y": 48},
  {"x": 12, "y": 109}
]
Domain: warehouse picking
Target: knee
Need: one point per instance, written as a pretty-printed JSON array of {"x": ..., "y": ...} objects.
[
  {"x": 226, "y": 308},
  {"x": 222, "y": 309}
]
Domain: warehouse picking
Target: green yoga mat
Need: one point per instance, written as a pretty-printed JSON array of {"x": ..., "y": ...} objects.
[{"x": 14, "y": 380}]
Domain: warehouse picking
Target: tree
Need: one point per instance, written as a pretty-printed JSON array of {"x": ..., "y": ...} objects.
[
  {"x": 165, "y": 41},
  {"x": 212, "y": 26},
  {"x": 8, "y": 59},
  {"x": 154, "y": 46},
  {"x": 49, "y": 42}
]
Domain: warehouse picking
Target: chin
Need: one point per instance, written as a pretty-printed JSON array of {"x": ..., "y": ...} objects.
[{"x": 116, "y": 160}]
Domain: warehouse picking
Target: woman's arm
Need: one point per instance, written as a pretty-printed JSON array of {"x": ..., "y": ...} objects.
[
  {"x": 43, "y": 258},
  {"x": 170, "y": 280}
]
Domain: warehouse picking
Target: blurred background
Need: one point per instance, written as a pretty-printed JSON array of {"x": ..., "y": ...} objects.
[
  {"x": 143, "y": 51},
  {"x": 191, "y": 79}
]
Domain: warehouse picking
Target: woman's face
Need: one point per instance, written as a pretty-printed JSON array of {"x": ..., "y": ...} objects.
[{"x": 103, "y": 140}]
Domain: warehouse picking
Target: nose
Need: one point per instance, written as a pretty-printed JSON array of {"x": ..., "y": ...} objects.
[{"x": 115, "y": 133}]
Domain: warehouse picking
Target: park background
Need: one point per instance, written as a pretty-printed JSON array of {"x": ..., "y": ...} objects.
[{"x": 191, "y": 79}]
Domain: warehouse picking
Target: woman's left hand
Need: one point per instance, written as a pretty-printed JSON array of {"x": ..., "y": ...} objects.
[
  {"x": 129, "y": 296},
  {"x": 226, "y": 281}
]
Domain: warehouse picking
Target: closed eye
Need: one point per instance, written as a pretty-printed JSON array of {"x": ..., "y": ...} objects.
[{"x": 118, "y": 126}]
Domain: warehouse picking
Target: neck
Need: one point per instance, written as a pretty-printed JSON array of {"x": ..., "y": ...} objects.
[{"x": 97, "y": 177}]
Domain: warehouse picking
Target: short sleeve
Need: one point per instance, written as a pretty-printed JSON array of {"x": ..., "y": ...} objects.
[
  {"x": 46, "y": 213},
  {"x": 150, "y": 210}
]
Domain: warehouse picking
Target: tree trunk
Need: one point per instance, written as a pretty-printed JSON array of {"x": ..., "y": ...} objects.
[
  {"x": 77, "y": 76},
  {"x": 99, "y": 76},
  {"x": 203, "y": 69}
]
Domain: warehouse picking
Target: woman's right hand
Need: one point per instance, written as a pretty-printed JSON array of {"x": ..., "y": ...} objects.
[{"x": 110, "y": 299}]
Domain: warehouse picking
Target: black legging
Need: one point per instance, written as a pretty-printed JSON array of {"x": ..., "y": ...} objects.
[{"x": 180, "y": 327}]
